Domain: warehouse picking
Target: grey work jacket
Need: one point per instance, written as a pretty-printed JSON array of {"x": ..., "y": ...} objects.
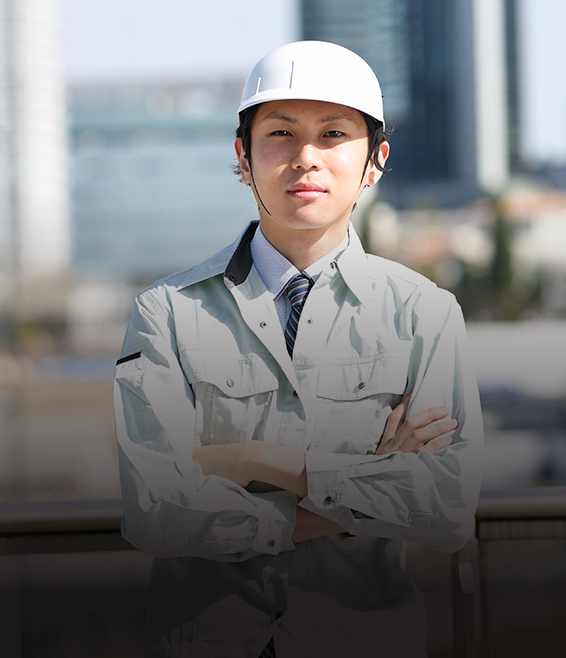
[{"x": 204, "y": 361}]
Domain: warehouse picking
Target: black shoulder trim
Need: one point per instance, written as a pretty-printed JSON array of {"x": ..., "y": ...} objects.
[{"x": 130, "y": 357}]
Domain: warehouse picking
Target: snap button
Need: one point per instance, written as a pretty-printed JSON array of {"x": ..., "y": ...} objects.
[
  {"x": 309, "y": 321},
  {"x": 333, "y": 265},
  {"x": 328, "y": 500},
  {"x": 361, "y": 385},
  {"x": 263, "y": 325},
  {"x": 230, "y": 382},
  {"x": 271, "y": 543},
  {"x": 295, "y": 395}
]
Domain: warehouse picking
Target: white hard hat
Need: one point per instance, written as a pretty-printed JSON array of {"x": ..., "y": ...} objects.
[{"x": 317, "y": 71}]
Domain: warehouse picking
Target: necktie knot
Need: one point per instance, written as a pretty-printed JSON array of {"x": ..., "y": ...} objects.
[{"x": 297, "y": 290}]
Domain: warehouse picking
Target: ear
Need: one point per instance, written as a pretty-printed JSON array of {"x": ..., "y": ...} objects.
[
  {"x": 243, "y": 162},
  {"x": 373, "y": 172}
]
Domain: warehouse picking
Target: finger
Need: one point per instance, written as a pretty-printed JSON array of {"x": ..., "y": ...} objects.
[
  {"x": 422, "y": 437},
  {"x": 431, "y": 438},
  {"x": 417, "y": 422},
  {"x": 434, "y": 430},
  {"x": 437, "y": 444},
  {"x": 395, "y": 420}
]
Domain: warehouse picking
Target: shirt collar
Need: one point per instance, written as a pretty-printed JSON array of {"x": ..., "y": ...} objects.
[
  {"x": 276, "y": 271},
  {"x": 235, "y": 261}
]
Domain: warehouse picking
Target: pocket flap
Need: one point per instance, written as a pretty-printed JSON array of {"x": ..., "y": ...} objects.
[
  {"x": 383, "y": 373},
  {"x": 235, "y": 377}
]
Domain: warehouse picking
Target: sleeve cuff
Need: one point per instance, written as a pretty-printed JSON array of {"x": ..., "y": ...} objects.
[
  {"x": 327, "y": 476},
  {"x": 340, "y": 515},
  {"x": 276, "y": 522}
]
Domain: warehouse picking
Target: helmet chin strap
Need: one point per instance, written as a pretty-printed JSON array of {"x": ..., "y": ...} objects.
[{"x": 257, "y": 191}]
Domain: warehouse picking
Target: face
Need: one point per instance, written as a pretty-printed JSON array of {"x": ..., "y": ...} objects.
[{"x": 308, "y": 162}]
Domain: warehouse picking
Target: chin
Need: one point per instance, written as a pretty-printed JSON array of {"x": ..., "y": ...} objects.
[{"x": 309, "y": 225}]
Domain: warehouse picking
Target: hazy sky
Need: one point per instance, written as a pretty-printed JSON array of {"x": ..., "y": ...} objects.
[
  {"x": 543, "y": 80},
  {"x": 176, "y": 39},
  {"x": 180, "y": 39}
]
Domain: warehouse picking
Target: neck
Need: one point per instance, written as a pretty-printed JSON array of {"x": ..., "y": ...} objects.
[{"x": 304, "y": 247}]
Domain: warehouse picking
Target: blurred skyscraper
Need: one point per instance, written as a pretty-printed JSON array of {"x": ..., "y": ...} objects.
[
  {"x": 443, "y": 69},
  {"x": 34, "y": 208}
]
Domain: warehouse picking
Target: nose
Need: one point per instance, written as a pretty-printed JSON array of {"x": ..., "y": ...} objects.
[{"x": 307, "y": 157}]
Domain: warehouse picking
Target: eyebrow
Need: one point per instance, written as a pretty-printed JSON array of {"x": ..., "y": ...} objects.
[{"x": 327, "y": 119}]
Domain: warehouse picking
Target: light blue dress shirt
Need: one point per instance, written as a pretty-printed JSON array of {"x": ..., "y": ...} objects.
[{"x": 276, "y": 271}]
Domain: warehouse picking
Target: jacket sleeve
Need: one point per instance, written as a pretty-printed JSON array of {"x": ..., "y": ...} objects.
[
  {"x": 427, "y": 498},
  {"x": 171, "y": 509}
]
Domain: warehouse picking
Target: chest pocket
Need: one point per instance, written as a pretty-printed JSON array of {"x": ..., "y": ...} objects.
[
  {"x": 355, "y": 400},
  {"x": 232, "y": 395}
]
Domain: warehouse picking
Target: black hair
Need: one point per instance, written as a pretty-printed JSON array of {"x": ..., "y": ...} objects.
[
  {"x": 375, "y": 129},
  {"x": 244, "y": 132},
  {"x": 377, "y": 133}
]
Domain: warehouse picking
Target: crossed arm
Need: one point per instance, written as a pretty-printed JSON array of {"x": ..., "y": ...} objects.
[{"x": 284, "y": 467}]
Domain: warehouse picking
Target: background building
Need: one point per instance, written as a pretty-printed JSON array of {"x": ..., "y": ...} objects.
[
  {"x": 443, "y": 70},
  {"x": 34, "y": 220},
  {"x": 150, "y": 173}
]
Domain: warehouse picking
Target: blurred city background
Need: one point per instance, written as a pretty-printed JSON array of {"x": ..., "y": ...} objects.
[
  {"x": 116, "y": 132},
  {"x": 116, "y": 139}
]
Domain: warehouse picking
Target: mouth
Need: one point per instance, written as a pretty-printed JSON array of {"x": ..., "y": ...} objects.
[{"x": 306, "y": 191}]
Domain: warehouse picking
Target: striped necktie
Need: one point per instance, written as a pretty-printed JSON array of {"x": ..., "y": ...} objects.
[
  {"x": 269, "y": 651},
  {"x": 297, "y": 290}
]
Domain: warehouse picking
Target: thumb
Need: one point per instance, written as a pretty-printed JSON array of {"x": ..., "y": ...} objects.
[{"x": 396, "y": 419}]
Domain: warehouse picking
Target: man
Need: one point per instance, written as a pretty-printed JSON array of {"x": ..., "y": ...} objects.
[{"x": 291, "y": 411}]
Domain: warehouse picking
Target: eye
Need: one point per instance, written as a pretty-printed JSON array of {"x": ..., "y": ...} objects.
[
  {"x": 334, "y": 133},
  {"x": 281, "y": 133}
]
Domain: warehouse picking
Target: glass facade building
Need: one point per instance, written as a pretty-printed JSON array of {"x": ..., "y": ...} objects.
[{"x": 422, "y": 53}]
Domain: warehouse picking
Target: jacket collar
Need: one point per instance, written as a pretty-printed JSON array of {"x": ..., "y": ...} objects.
[
  {"x": 235, "y": 263},
  {"x": 241, "y": 262},
  {"x": 234, "y": 260},
  {"x": 354, "y": 267}
]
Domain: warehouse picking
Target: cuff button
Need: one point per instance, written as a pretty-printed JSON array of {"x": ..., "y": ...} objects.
[
  {"x": 271, "y": 543},
  {"x": 329, "y": 499}
]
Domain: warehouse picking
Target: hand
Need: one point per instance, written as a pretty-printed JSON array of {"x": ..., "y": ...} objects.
[
  {"x": 417, "y": 432},
  {"x": 224, "y": 460}
]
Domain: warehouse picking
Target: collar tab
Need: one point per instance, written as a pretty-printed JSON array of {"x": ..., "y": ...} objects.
[{"x": 240, "y": 265}]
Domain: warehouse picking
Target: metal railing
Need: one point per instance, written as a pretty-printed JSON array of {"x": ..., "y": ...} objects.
[
  {"x": 61, "y": 526},
  {"x": 502, "y": 515},
  {"x": 506, "y": 514}
]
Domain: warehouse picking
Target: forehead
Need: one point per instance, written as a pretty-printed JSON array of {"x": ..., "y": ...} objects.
[{"x": 297, "y": 111}]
